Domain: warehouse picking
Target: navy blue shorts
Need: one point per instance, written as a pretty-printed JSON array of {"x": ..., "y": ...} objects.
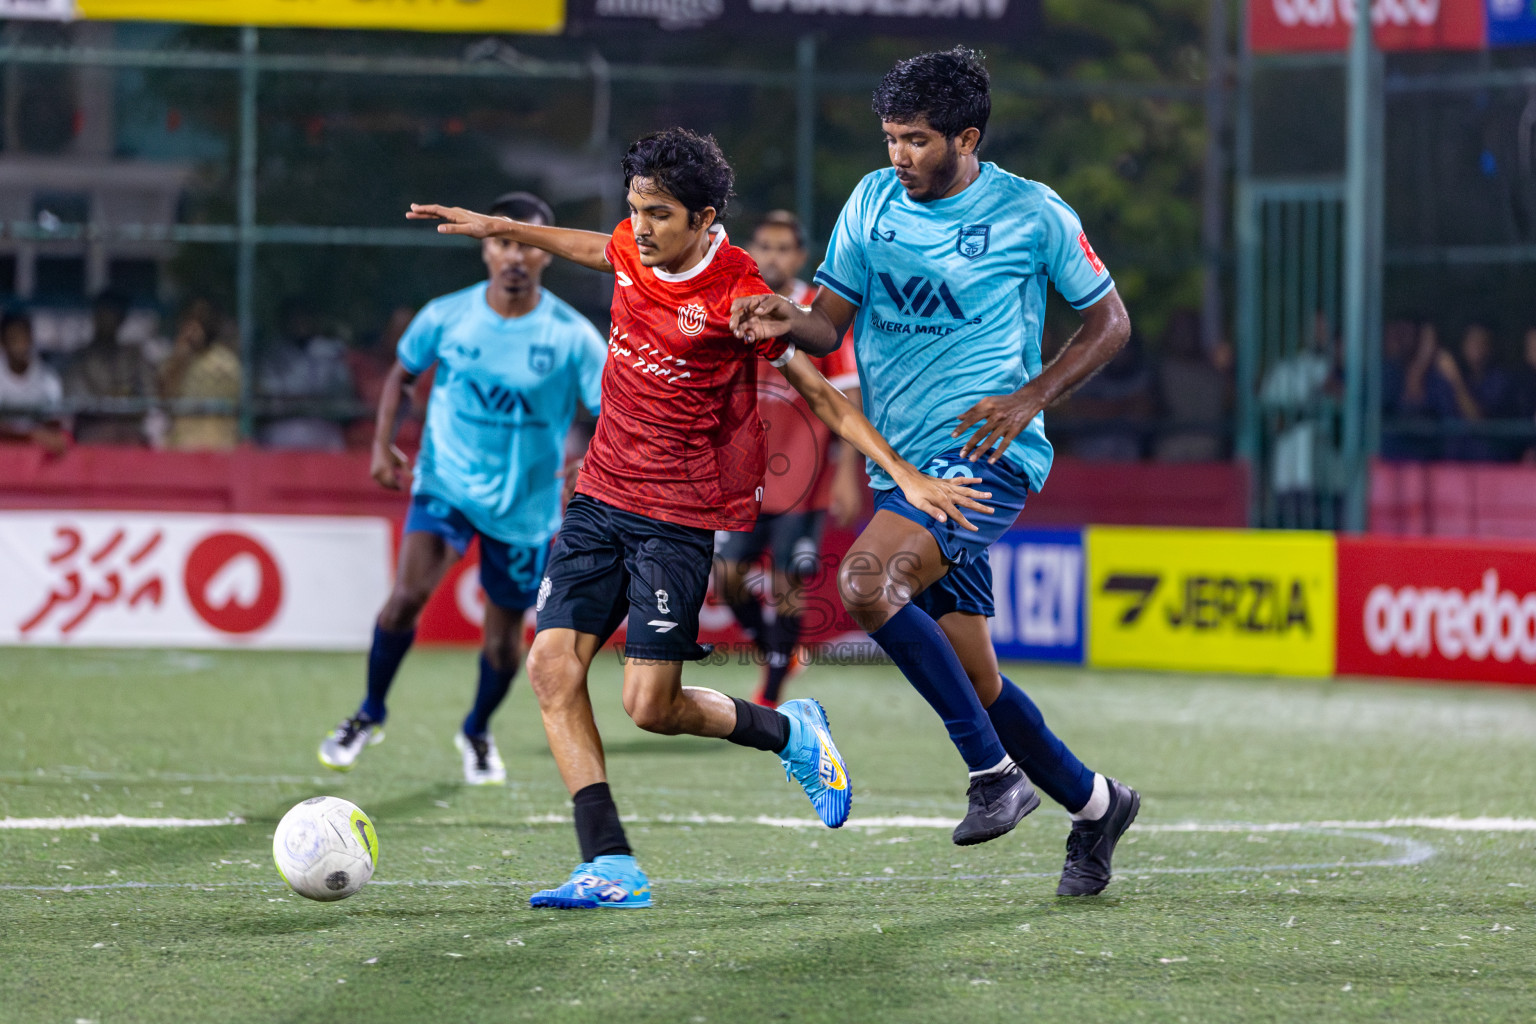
[
  {"x": 967, "y": 587},
  {"x": 509, "y": 573},
  {"x": 608, "y": 564}
]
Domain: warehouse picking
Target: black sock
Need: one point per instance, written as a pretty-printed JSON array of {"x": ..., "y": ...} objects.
[
  {"x": 781, "y": 639},
  {"x": 597, "y": 823},
  {"x": 759, "y": 728},
  {"x": 749, "y": 615}
]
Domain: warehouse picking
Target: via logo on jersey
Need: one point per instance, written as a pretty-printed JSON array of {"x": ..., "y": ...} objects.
[
  {"x": 973, "y": 241},
  {"x": 920, "y": 297},
  {"x": 876, "y": 235},
  {"x": 691, "y": 319},
  {"x": 499, "y": 399},
  {"x": 467, "y": 351}
]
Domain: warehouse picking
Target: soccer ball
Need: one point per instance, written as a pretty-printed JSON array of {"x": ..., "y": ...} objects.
[{"x": 325, "y": 848}]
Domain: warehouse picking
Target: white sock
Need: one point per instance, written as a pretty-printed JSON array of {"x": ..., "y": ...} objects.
[
  {"x": 1001, "y": 766},
  {"x": 1097, "y": 804}
]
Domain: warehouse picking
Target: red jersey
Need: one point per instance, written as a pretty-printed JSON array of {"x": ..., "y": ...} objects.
[
  {"x": 800, "y": 468},
  {"x": 679, "y": 438}
]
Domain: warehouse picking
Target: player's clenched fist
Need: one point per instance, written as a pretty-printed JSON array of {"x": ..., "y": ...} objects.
[
  {"x": 389, "y": 466},
  {"x": 755, "y": 317}
]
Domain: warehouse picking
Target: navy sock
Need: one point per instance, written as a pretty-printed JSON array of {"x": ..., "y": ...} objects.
[
  {"x": 384, "y": 659},
  {"x": 749, "y": 615},
  {"x": 1034, "y": 748},
  {"x": 598, "y": 831},
  {"x": 923, "y": 653},
  {"x": 781, "y": 640},
  {"x": 493, "y": 690}
]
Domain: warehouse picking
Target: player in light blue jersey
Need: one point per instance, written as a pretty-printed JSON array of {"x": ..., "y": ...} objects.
[
  {"x": 512, "y": 361},
  {"x": 941, "y": 262}
]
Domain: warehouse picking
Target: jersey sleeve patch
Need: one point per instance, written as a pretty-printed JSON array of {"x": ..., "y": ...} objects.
[{"x": 1088, "y": 253}]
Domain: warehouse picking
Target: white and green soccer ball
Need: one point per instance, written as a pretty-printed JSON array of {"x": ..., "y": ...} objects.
[{"x": 325, "y": 848}]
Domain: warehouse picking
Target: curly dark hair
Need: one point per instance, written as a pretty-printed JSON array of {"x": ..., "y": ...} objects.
[
  {"x": 686, "y": 166},
  {"x": 951, "y": 90}
]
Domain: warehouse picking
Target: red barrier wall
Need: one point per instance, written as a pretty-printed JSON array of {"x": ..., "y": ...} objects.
[
  {"x": 251, "y": 480},
  {"x": 1453, "y": 499}
]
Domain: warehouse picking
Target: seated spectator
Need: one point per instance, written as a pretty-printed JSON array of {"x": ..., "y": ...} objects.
[
  {"x": 203, "y": 367},
  {"x": 27, "y": 383},
  {"x": 1119, "y": 397},
  {"x": 306, "y": 368},
  {"x": 108, "y": 369},
  {"x": 1194, "y": 395},
  {"x": 1471, "y": 390}
]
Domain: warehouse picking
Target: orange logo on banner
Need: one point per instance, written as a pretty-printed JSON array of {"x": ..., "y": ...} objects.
[{"x": 233, "y": 583}]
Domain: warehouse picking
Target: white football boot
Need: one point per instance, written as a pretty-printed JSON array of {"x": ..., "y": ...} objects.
[
  {"x": 340, "y": 749},
  {"x": 482, "y": 764}
]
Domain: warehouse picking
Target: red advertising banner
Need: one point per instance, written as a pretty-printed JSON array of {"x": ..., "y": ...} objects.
[
  {"x": 1429, "y": 609},
  {"x": 1291, "y": 26}
]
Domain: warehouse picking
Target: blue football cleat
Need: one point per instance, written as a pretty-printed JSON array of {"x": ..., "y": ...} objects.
[
  {"x": 812, "y": 760},
  {"x": 613, "y": 881}
]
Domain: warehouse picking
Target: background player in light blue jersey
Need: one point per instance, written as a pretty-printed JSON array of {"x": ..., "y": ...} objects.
[
  {"x": 940, "y": 262},
  {"x": 512, "y": 360}
]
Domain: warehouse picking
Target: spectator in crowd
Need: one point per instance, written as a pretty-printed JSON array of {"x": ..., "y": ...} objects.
[
  {"x": 1404, "y": 366},
  {"x": 1115, "y": 407},
  {"x": 305, "y": 368},
  {"x": 26, "y": 382},
  {"x": 108, "y": 369},
  {"x": 1299, "y": 395},
  {"x": 1525, "y": 388},
  {"x": 370, "y": 365},
  {"x": 1471, "y": 390},
  {"x": 201, "y": 367},
  {"x": 1194, "y": 394}
]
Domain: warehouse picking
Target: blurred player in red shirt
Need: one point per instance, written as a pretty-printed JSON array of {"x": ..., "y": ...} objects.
[
  {"x": 677, "y": 455},
  {"x": 808, "y": 475}
]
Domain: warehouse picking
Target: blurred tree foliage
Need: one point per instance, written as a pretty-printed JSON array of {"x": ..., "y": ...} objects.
[{"x": 352, "y": 149}]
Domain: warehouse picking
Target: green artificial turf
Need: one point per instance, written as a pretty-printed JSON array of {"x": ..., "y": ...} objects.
[{"x": 761, "y": 921}]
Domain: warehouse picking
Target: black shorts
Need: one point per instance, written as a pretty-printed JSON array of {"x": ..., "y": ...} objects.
[
  {"x": 794, "y": 538},
  {"x": 608, "y": 564}
]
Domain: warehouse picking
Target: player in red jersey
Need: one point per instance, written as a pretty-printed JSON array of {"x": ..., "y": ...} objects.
[
  {"x": 809, "y": 475},
  {"x": 678, "y": 454}
]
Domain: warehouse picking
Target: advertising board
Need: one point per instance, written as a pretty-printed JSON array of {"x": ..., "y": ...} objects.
[{"x": 1037, "y": 590}]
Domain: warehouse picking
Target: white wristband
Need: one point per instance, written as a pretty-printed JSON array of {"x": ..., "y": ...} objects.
[{"x": 789, "y": 353}]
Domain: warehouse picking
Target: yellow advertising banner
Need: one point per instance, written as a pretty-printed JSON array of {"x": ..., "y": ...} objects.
[
  {"x": 1212, "y": 600},
  {"x": 530, "y": 16}
]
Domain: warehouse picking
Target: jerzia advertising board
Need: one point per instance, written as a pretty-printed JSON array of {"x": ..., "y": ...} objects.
[{"x": 1211, "y": 600}]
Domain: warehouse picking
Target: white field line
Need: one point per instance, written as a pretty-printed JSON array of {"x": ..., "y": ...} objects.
[
  {"x": 1406, "y": 853},
  {"x": 116, "y": 821},
  {"x": 1449, "y": 824}
]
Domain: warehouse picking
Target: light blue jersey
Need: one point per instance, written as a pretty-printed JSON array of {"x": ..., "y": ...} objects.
[
  {"x": 951, "y": 297},
  {"x": 502, "y": 402}
]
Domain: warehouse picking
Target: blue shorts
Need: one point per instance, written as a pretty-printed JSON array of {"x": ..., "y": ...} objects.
[
  {"x": 609, "y": 564},
  {"x": 967, "y": 587},
  {"x": 509, "y": 573}
]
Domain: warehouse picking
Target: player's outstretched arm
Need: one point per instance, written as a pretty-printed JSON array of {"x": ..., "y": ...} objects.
[
  {"x": 942, "y": 499},
  {"x": 1000, "y": 419},
  {"x": 583, "y": 247},
  {"x": 816, "y": 329}
]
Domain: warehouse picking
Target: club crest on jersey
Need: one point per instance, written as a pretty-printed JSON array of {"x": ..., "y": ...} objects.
[
  {"x": 541, "y": 358},
  {"x": 691, "y": 319},
  {"x": 973, "y": 241}
]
